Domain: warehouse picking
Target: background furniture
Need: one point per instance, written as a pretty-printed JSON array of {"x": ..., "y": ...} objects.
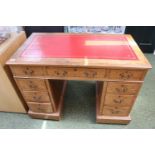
[
  {"x": 10, "y": 99},
  {"x": 31, "y": 29},
  {"x": 144, "y": 36},
  {"x": 40, "y": 67},
  {"x": 96, "y": 29}
]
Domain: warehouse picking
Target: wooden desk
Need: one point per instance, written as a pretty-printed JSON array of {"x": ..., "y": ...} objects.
[{"x": 45, "y": 61}]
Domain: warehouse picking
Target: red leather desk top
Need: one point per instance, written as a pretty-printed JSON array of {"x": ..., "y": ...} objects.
[{"x": 114, "y": 47}]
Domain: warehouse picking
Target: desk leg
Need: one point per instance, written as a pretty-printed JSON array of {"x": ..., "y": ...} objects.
[
  {"x": 56, "y": 100},
  {"x": 100, "y": 118}
]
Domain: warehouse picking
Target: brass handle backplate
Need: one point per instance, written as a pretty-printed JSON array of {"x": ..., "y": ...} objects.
[
  {"x": 125, "y": 75},
  {"x": 90, "y": 74},
  {"x": 28, "y": 71},
  {"x": 122, "y": 89}
]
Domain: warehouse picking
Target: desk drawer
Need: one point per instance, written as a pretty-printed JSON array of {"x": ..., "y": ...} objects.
[
  {"x": 27, "y": 71},
  {"x": 76, "y": 72},
  {"x": 116, "y": 111},
  {"x": 31, "y": 84},
  {"x": 123, "y": 88},
  {"x": 40, "y": 107},
  {"x": 119, "y": 100},
  {"x": 127, "y": 74},
  {"x": 36, "y": 96}
]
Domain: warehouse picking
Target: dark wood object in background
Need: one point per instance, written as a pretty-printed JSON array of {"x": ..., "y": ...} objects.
[
  {"x": 30, "y": 29},
  {"x": 144, "y": 36}
]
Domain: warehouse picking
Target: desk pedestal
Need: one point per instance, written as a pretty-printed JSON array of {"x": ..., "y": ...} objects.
[
  {"x": 108, "y": 119},
  {"x": 114, "y": 101},
  {"x": 55, "y": 115}
]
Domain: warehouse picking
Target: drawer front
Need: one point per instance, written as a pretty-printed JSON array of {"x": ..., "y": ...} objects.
[
  {"x": 127, "y": 74},
  {"x": 36, "y": 96},
  {"x": 119, "y": 100},
  {"x": 123, "y": 88},
  {"x": 115, "y": 111},
  {"x": 31, "y": 84},
  {"x": 40, "y": 107},
  {"x": 27, "y": 70},
  {"x": 76, "y": 72}
]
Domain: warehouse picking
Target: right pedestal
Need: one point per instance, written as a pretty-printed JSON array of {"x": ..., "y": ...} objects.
[{"x": 114, "y": 101}]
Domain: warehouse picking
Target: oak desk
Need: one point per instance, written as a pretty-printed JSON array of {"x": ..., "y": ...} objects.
[{"x": 45, "y": 61}]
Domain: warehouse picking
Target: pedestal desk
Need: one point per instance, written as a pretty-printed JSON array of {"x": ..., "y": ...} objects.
[{"x": 43, "y": 64}]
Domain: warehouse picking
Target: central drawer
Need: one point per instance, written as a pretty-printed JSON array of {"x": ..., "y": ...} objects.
[
  {"x": 40, "y": 107},
  {"x": 63, "y": 72},
  {"x": 36, "y": 96}
]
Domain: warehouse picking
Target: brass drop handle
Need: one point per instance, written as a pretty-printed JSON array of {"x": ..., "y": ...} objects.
[
  {"x": 39, "y": 108},
  {"x": 90, "y": 74},
  {"x": 125, "y": 75},
  {"x": 28, "y": 71},
  {"x": 118, "y": 101},
  {"x": 32, "y": 85},
  {"x": 123, "y": 89},
  {"x": 115, "y": 111},
  {"x": 25, "y": 72},
  {"x": 61, "y": 73},
  {"x": 31, "y": 72},
  {"x": 64, "y": 73},
  {"x": 37, "y": 98}
]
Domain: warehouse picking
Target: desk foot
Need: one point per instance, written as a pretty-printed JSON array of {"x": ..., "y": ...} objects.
[
  {"x": 113, "y": 119},
  {"x": 52, "y": 116}
]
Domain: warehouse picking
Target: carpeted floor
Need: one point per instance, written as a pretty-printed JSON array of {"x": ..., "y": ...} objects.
[{"x": 79, "y": 109}]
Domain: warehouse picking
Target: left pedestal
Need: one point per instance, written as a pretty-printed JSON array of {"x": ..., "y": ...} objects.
[
  {"x": 56, "y": 115},
  {"x": 43, "y": 97}
]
